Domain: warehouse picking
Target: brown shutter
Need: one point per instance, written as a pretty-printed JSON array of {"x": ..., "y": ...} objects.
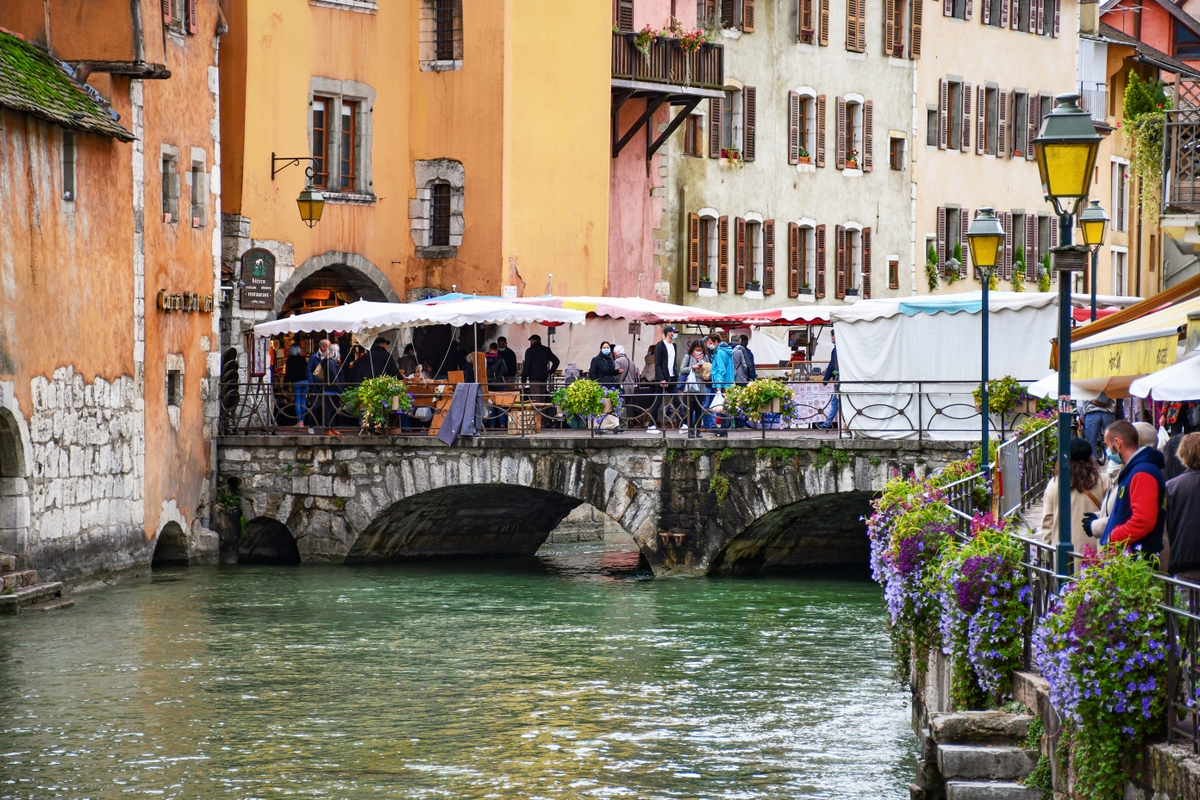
[
  {"x": 166, "y": 12},
  {"x": 727, "y": 20},
  {"x": 986, "y": 18},
  {"x": 625, "y": 15},
  {"x": 889, "y": 26},
  {"x": 1034, "y": 120},
  {"x": 1031, "y": 244},
  {"x": 739, "y": 255},
  {"x": 841, "y": 132},
  {"x": 1037, "y": 9},
  {"x": 942, "y": 255},
  {"x": 723, "y": 254},
  {"x": 981, "y": 121},
  {"x": 862, "y": 26},
  {"x": 1002, "y": 127},
  {"x": 866, "y": 263},
  {"x": 967, "y": 11},
  {"x": 1014, "y": 15},
  {"x": 693, "y": 252},
  {"x": 839, "y": 263},
  {"x": 748, "y": 16},
  {"x": 947, "y": 8},
  {"x": 193, "y": 24},
  {"x": 824, "y": 32},
  {"x": 820, "y": 236},
  {"x": 1057, "y": 17},
  {"x": 943, "y": 113},
  {"x": 1003, "y": 12},
  {"x": 964, "y": 225},
  {"x": 966, "y": 118},
  {"x": 868, "y": 135},
  {"x": 768, "y": 234},
  {"x": 793, "y": 128},
  {"x": 852, "y": 25},
  {"x": 793, "y": 259},
  {"x": 820, "y": 130},
  {"x": 749, "y": 113},
  {"x": 714, "y": 127},
  {"x": 917, "y": 13},
  {"x": 1006, "y": 258}
]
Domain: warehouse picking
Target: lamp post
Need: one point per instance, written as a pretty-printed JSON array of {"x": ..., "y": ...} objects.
[
  {"x": 986, "y": 237},
  {"x": 1066, "y": 154},
  {"x": 1093, "y": 223}
]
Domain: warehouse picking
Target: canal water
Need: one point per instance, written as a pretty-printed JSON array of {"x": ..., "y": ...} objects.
[{"x": 569, "y": 675}]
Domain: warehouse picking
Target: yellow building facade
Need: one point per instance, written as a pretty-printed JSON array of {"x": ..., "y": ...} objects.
[{"x": 459, "y": 144}]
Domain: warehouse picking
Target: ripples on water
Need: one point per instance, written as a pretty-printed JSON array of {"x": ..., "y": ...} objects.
[{"x": 570, "y": 675}]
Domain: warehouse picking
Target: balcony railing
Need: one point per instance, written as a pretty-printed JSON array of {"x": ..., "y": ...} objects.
[
  {"x": 667, "y": 63},
  {"x": 1181, "y": 173},
  {"x": 1094, "y": 99}
]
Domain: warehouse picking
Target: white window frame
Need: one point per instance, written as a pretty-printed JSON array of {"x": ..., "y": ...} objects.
[
  {"x": 854, "y": 256},
  {"x": 1120, "y": 194},
  {"x": 854, "y": 142},
  {"x": 808, "y": 270},
  {"x": 1118, "y": 254},
  {"x": 714, "y": 263},
  {"x": 810, "y": 119}
]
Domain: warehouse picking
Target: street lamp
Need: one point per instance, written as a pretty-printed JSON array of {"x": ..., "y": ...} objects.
[
  {"x": 986, "y": 237},
  {"x": 310, "y": 201},
  {"x": 1066, "y": 155},
  {"x": 1093, "y": 224}
]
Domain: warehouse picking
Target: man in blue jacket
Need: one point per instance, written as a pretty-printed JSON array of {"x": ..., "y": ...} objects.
[
  {"x": 721, "y": 356},
  {"x": 1138, "y": 510}
]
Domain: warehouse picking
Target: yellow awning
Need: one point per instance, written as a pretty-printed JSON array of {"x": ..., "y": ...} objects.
[{"x": 1138, "y": 347}]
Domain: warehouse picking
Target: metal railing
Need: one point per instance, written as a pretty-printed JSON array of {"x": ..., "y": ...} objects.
[
  {"x": 666, "y": 62},
  {"x": 1094, "y": 99},
  {"x": 1181, "y": 161}
]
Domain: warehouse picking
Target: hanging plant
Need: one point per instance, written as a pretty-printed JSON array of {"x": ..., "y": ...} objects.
[
  {"x": 931, "y": 269},
  {"x": 1102, "y": 648},
  {"x": 955, "y": 275},
  {"x": 1003, "y": 395},
  {"x": 1018, "y": 270},
  {"x": 1044, "y": 274},
  {"x": 689, "y": 43},
  {"x": 1146, "y": 104},
  {"x": 642, "y": 41},
  {"x": 375, "y": 399}
]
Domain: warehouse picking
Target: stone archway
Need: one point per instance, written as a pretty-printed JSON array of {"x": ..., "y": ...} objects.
[
  {"x": 171, "y": 548},
  {"x": 363, "y": 276},
  {"x": 266, "y": 541},
  {"x": 14, "y": 484}
]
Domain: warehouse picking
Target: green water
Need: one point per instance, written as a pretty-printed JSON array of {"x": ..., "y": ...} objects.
[{"x": 569, "y": 676}]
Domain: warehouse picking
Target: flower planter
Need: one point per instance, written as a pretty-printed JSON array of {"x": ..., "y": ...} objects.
[
  {"x": 806, "y": 292},
  {"x": 851, "y": 164},
  {"x": 852, "y": 293},
  {"x": 705, "y": 284},
  {"x": 775, "y": 406},
  {"x": 805, "y": 159},
  {"x": 808, "y": 36},
  {"x": 753, "y": 287}
]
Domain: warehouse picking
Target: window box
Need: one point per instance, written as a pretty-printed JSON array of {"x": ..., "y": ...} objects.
[
  {"x": 753, "y": 286},
  {"x": 851, "y": 292},
  {"x": 806, "y": 292},
  {"x": 851, "y": 163},
  {"x": 808, "y": 36},
  {"x": 805, "y": 160},
  {"x": 898, "y": 50},
  {"x": 705, "y": 283}
]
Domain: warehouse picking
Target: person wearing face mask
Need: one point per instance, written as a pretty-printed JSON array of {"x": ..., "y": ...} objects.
[
  {"x": 666, "y": 373},
  {"x": 1138, "y": 499},
  {"x": 721, "y": 356},
  {"x": 696, "y": 374},
  {"x": 603, "y": 369},
  {"x": 509, "y": 359}
]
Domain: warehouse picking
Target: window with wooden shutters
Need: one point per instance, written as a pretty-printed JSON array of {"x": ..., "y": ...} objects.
[
  {"x": 943, "y": 113},
  {"x": 893, "y": 273},
  {"x": 728, "y": 19},
  {"x": 793, "y": 259},
  {"x": 749, "y": 122},
  {"x": 723, "y": 254},
  {"x": 727, "y": 120},
  {"x": 693, "y": 272},
  {"x": 840, "y": 116},
  {"x": 966, "y": 118},
  {"x": 868, "y": 143},
  {"x": 1020, "y": 125},
  {"x": 1052, "y": 225},
  {"x": 693, "y": 136},
  {"x": 991, "y": 109},
  {"x": 768, "y": 237},
  {"x": 1006, "y": 256},
  {"x": 347, "y": 146},
  {"x": 964, "y": 224},
  {"x": 624, "y": 18},
  {"x": 856, "y": 32},
  {"x": 889, "y": 27},
  {"x": 708, "y": 248},
  {"x": 748, "y": 16},
  {"x": 917, "y": 7},
  {"x": 866, "y": 262},
  {"x": 839, "y": 261},
  {"x": 805, "y": 123},
  {"x": 1034, "y": 117},
  {"x": 714, "y": 127},
  {"x": 176, "y": 15},
  {"x": 193, "y": 23},
  {"x": 320, "y": 141},
  {"x": 941, "y": 241},
  {"x": 1031, "y": 254},
  {"x": 820, "y": 130},
  {"x": 706, "y": 14},
  {"x": 1057, "y": 18},
  {"x": 1004, "y": 5},
  {"x": 739, "y": 255},
  {"x": 823, "y": 36},
  {"x": 821, "y": 255},
  {"x": 166, "y": 11},
  {"x": 793, "y": 141},
  {"x": 807, "y": 32}
]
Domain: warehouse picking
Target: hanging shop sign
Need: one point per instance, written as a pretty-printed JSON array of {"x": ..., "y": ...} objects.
[
  {"x": 258, "y": 279},
  {"x": 184, "y": 301}
]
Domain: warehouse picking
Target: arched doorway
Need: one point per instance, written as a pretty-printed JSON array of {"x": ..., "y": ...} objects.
[
  {"x": 267, "y": 541},
  {"x": 171, "y": 549},
  {"x": 14, "y": 490}
]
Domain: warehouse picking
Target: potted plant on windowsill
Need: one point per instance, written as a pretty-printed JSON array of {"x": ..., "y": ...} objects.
[
  {"x": 808, "y": 36},
  {"x": 705, "y": 282},
  {"x": 732, "y": 156},
  {"x": 805, "y": 158},
  {"x": 806, "y": 290},
  {"x": 898, "y": 49},
  {"x": 852, "y": 292},
  {"x": 754, "y": 286},
  {"x": 852, "y": 159}
]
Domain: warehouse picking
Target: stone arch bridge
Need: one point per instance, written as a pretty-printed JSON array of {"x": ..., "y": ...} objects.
[{"x": 692, "y": 507}]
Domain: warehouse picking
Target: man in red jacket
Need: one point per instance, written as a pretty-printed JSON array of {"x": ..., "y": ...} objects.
[{"x": 1137, "y": 517}]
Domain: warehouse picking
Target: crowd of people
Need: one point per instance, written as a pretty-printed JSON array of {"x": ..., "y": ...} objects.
[{"x": 1133, "y": 494}]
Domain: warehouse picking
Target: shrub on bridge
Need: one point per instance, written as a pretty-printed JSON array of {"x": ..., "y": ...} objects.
[
  {"x": 376, "y": 398},
  {"x": 585, "y": 398},
  {"x": 1102, "y": 647}
]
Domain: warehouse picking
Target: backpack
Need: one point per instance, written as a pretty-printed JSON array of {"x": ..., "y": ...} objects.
[{"x": 495, "y": 369}]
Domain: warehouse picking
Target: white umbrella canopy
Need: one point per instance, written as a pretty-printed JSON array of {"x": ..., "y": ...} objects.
[
  {"x": 365, "y": 317},
  {"x": 1082, "y": 390},
  {"x": 1178, "y": 382}
]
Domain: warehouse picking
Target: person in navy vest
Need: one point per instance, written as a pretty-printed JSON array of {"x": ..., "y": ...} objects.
[{"x": 1139, "y": 504}]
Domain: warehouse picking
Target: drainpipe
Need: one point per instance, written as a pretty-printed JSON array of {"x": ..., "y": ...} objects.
[
  {"x": 139, "y": 41},
  {"x": 1138, "y": 291}
]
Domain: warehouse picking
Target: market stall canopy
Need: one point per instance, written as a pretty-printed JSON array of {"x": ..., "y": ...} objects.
[
  {"x": 1176, "y": 383},
  {"x": 1138, "y": 347},
  {"x": 969, "y": 302},
  {"x": 638, "y": 309},
  {"x": 804, "y": 315},
  {"x": 1083, "y": 299},
  {"x": 365, "y": 317},
  {"x": 1081, "y": 390}
]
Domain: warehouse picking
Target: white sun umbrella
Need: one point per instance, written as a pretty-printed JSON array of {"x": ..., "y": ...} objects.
[
  {"x": 1082, "y": 390},
  {"x": 1178, "y": 382},
  {"x": 365, "y": 318}
]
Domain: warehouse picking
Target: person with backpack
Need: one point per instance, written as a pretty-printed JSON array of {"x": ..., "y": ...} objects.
[{"x": 743, "y": 361}]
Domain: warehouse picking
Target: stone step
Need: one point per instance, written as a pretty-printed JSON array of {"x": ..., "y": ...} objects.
[
  {"x": 11, "y": 603},
  {"x": 979, "y": 727},
  {"x": 7, "y": 563},
  {"x": 58, "y": 604},
  {"x": 985, "y": 762},
  {"x": 990, "y": 790},
  {"x": 18, "y": 580}
]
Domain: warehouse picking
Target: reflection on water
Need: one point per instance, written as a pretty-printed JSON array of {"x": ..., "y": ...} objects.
[{"x": 568, "y": 675}]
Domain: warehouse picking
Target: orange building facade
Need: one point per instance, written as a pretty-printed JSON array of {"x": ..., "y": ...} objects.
[{"x": 109, "y": 258}]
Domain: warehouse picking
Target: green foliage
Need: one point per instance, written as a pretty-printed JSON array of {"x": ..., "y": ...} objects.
[
  {"x": 955, "y": 275},
  {"x": 1144, "y": 97},
  {"x": 228, "y": 499},
  {"x": 841, "y": 458},
  {"x": 671, "y": 456},
  {"x": 931, "y": 270},
  {"x": 585, "y": 398},
  {"x": 1044, "y": 274},
  {"x": 780, "y": 453},
  {"x": 1145, "y": 162},
  {"x": 1003, "y": 394},
  {"x": 1018, "y": 269},
  {"x": 718, "y": 484},
  {"x": 875, "y": 461},
  {"x": 373, "y": 399},
  {"x": 1033, "y": 738},
  {"x": 1041, "y": 778},
  {"x": 751, "y": 400},
  {"x": 993, "y": 282}
]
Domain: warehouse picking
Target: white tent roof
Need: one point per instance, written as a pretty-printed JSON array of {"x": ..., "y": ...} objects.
[
  {"x": 1180, "y": 381},
  {"x": 633, "y": 308},
  {"x": 365, "y": 317},
  {"x": 970, "y": 302}
]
